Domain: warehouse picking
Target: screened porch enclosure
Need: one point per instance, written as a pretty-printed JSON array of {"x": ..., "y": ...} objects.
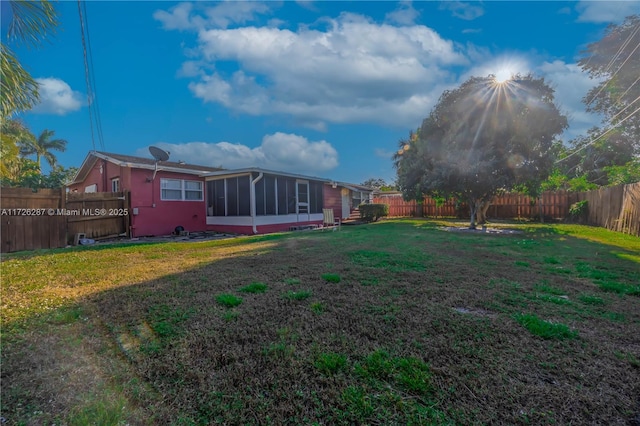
[{"x": 273, "y": 195}]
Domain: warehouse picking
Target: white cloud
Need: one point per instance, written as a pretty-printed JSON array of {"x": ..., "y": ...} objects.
[
  {"x": 309, "y": 5},
  {"x": 56, "y": 97},
  {"x": 405, "y": 14},
  {"x": 354, "y": 71},
  {"x": 606, "y": 11},
  {"x": 466, "y": 11},
  {"x": 471, "y": 31},
  {"x": 189, "y": 16},
  {"x": 177, "y": 18},
  {"x": 571, "y": 85},
  {"x": 279, "y": 151}
]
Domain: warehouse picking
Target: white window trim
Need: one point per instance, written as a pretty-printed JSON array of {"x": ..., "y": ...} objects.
[
  {"x": 115, "y": 185},
  {"x": 182, "y": 190},
  {"x": 89, "y": 189}
]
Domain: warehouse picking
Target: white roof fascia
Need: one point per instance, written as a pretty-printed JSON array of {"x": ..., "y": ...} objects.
[{"x": 239, "y": 172}]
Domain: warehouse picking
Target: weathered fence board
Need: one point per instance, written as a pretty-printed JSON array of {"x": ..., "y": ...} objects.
[
  {"x": 50, "y": 218},
  {"x": 97, "y": 224}
]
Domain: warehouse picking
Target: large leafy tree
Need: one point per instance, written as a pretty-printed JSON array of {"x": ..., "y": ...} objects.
[
  {"x": 616, "y": 60},
  {"x": 42, "y": 147},
  {"x": 482, "y": 138},
  {"x": 30, "y": 23}
]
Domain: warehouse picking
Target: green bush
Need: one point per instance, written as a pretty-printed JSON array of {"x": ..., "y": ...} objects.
[
  {"x": 373, "y": 212},
  {"x": 578, "y": 211}
]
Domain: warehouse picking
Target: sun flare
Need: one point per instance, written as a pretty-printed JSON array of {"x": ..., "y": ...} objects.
[{"x": 503, "y": 75}]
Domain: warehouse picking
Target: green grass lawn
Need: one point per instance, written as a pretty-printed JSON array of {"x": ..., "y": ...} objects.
[{"x": 397, "y": 322}]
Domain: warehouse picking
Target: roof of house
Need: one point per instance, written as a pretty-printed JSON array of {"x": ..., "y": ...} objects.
[
  {"x": 355, "y": 187},
  {"x": 139, "y": 163},
  {"x": 245, "y": 171},
  {"x": 180, "y": 167}
]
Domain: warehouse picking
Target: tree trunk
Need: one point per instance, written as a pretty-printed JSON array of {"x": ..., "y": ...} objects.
[
  {"x": 482, "y": 212},
  {"x": 540, "y": 209},
  {"x": 473, "y": 206}
]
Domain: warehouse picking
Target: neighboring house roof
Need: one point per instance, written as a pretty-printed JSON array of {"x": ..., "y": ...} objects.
[
  {"x": 355, "y": 187},
  {"x": 139, "y": 163}
]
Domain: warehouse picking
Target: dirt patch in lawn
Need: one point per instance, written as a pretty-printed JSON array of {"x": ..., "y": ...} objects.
[{"x": 482, "y": 230}]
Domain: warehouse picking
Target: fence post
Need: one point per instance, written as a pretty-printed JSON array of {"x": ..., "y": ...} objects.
[{"x": 127, "y": 218}]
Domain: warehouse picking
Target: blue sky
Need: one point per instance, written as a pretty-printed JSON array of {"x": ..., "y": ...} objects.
[{"x": 322, "y": 88}]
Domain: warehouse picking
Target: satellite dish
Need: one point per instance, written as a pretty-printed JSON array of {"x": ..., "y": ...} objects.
[{"x": 159, "y": 154}]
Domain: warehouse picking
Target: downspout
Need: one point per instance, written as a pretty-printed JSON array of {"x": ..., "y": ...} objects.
[{"x": 252, "y": 199}]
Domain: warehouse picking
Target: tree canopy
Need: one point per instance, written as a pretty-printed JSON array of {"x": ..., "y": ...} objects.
[
  {"x": 616, "y": 59},
  {"x": 601, "y": 156},
  {"x": 16, "y": 142},
  {"x": 42, "y": 147},
  {"x": 480, "y": 138},
  {"x": 378, "y": 183}
]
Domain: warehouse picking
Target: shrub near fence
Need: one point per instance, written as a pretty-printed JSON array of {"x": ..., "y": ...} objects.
[{"x": 616, "y": 208}]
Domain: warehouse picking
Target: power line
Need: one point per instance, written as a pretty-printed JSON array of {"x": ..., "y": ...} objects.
[
  {"x": 92, "y": 73},
  {"x": 629, "y": 88},
  {"x": 601, "y": 135},
  {"x": 612, "y": 61},
  {"x": 86, "y": 74},
  {"x": 94, "y": 110}
]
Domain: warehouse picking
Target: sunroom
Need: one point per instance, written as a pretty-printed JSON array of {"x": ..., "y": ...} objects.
[{"x": 257, "y": 201}]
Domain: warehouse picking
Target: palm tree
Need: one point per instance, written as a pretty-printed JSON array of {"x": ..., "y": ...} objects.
[
  {"x": 31, "y": 21},
  {"x": 42, "y": 147}
]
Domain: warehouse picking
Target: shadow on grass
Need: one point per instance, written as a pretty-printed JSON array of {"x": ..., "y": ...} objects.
[{"x": 165, "y": 349}]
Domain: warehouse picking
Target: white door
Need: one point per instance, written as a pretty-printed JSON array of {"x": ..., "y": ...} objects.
[{"x": 302, "y": 197}]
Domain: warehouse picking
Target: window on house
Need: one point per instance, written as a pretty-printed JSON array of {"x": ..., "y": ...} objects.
[
  {"x": 192, "y": 190},
  {"x": 180, "y": 190},
  {"x": 91, "y": 188},
  {"x": 115, "y": 185}
]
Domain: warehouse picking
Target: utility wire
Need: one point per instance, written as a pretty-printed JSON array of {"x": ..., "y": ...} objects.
[
  {"x": 92, "y": 73},
  {"x": 600, "y": 136},
  {"x": 611, "y": 62},
  {"x": 629, "y": 88},
  {"x": 86, "y": 73}
]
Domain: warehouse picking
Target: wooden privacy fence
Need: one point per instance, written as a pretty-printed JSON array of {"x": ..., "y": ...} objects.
[
  {"x": 51, "y": 218},
  {"x": 615, "y": 207}
]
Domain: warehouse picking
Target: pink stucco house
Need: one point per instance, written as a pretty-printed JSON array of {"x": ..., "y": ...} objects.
[{"x": 168, "y": 194}]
